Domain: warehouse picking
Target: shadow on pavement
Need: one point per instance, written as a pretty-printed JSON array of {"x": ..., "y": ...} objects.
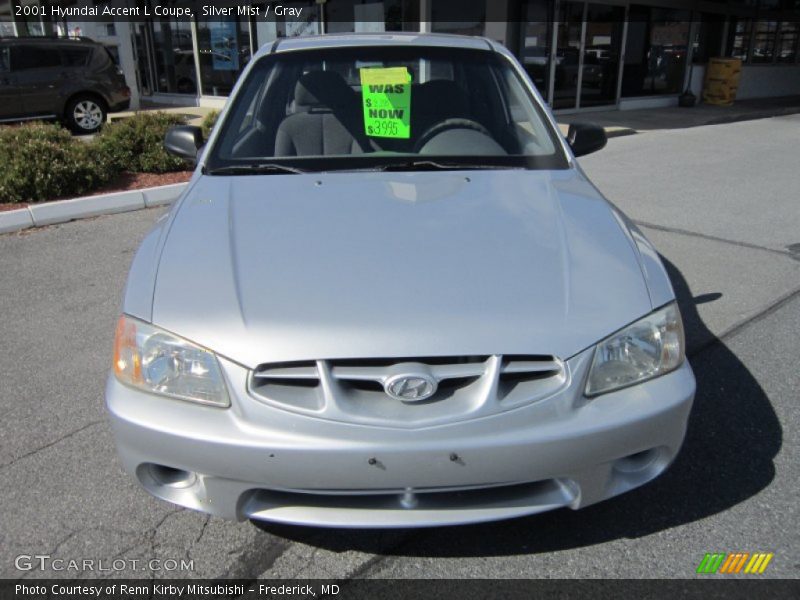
[{"x": 732, "y": 438}]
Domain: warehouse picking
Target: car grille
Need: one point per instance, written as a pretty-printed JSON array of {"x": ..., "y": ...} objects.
[
  {"x": 352, "y": 390},
  {"x": 546, "y": 494}
]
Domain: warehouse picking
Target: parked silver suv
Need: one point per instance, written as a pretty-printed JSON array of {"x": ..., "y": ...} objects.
[
  {"x": 390, "y": 298},
  {"x": 74, "y": 80}
]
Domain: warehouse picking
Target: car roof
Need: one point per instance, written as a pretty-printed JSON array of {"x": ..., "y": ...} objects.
[{"x": 353, "y": 40}]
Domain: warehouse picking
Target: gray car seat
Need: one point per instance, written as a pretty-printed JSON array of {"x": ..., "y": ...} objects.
[{"x": 328, "y": 121}]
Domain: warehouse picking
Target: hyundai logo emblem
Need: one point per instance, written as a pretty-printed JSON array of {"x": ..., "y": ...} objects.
[{"x": 410, "y": 388}]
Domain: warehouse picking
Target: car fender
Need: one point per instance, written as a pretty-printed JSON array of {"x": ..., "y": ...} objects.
[
  {"x": 138, "y": 295},
  {"x": 656, "y": 278}
]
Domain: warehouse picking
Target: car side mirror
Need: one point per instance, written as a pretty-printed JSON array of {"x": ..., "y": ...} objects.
[
  {"x": 184, "y": 141},
  {"x": 585, "y": 138}
]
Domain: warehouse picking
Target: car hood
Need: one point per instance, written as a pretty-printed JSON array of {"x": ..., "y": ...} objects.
[{"x": 351, "y": 265}]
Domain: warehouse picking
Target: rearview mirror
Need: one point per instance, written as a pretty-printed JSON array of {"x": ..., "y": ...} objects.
[
  {"x": 585, "y": 138},
  {"x": 184, "y": 141}
]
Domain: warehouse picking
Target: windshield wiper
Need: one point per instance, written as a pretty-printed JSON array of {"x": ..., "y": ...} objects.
[
  {"x": 255, "y": 169},
  {"x": 432, "y": 165}
]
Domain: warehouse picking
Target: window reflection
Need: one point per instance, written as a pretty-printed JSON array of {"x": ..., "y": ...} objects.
[
  {"x": 536, "y": 40},
  {"x": 224, "y": 51},
  {"x": 173, "y": 57},
  {"x": 604, "y": 26},
  {"x": 739, "y": 41},
  {"x": 6, "y": 21},
  {"x": 344, "y": 16},
  {"x": 655, "y": 52},
  {"x": 457, "y": 16},
  {"x": 787, "y": 41},
  {"x": 568, "y": 45},
  {"x": 708, "y": 41},
  {"x": 272, "y": 27},
  {"x": 764, "y": 41}
]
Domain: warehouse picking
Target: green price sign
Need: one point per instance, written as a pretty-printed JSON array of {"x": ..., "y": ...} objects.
[{"x": 386, "y": 96}]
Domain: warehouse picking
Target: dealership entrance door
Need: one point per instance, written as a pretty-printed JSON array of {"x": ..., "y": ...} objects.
[
  {"x": 585, "y": 64},
  {"x": 165, "y": 60}
]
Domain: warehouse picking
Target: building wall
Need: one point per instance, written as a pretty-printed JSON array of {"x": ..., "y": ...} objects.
[{"x": 761, "y": 81}]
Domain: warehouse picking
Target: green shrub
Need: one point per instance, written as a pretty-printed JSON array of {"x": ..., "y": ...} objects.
[
  {"x": 136, "y": 143},
  {"x": 42, "y": 161},
  {"x": 208, "y": 123}
]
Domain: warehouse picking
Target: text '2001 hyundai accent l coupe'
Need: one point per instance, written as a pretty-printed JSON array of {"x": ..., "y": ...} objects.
[{"x": 389, "y": 297}]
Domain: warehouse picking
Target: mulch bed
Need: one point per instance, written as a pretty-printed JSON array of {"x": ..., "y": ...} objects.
[{"x": 124, "y": 183}]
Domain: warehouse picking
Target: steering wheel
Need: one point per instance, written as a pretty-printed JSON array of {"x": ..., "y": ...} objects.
[{"x": 446, "y": 125}]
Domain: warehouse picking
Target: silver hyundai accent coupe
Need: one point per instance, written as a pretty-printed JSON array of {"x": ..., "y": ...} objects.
[{"x": 389, "y": 297}]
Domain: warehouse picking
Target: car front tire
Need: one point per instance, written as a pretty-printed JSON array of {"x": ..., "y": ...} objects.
[{"x": 85, "y": 114}]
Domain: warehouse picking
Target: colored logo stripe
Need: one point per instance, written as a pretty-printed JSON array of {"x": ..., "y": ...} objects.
[
  {"x": 734, "y": 562},
  {"x": 720, "y": 562},
  {"x": 758, "y": 564},
  {"x": 710, "y": 563}
]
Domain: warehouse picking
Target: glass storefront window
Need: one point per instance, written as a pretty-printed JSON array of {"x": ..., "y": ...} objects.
[
  {"x": 224, "y": 47},
  {"x": 601, "y": 54},
  {"x": 32, "y": 24},
  {"x": 787, "y": 41},
  {"x": 267, "y": 30},
  {"x": 164, "y": 55},
  {"x": 7, "y": 28},
  {"x": 708, "y": 41},
  {"x": 344, "y": 16},
  {"x": 764, "y": 42},
  {"x": 739, "y": 38},
  {"x": 655, "y": 54},
  {"x": 568, "y": 52},
  {"x": 173, "y": 57},
  {"x": 536, "y": 42},
  {"x": 457, "y": 16}
]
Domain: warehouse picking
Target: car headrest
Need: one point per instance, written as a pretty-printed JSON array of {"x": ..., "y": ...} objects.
[{"x": 322, "y": 89}]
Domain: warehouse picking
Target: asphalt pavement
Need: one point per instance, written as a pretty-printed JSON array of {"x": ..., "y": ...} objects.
[{"x": 719, "y": 202}]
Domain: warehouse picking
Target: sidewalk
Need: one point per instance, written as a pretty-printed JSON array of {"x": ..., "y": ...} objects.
[{"x": 624, "y": 122}]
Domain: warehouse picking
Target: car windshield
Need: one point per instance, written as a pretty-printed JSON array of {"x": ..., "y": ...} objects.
[{"x": 398, "y": 107}]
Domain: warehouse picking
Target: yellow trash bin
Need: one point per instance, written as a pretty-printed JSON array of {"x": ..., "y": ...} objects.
[{"x": 722, "y": 80}]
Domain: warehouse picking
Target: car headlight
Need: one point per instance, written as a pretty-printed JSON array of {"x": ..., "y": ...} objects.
[
  {"x": 645, "y": 349},
  {"x": 159, "y": 362}
]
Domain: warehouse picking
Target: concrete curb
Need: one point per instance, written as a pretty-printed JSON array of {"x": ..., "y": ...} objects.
[
  {"x": 62, "y": 211},
  {"x": 164, "y": 194},
  {"x": 15, "y": 220}
]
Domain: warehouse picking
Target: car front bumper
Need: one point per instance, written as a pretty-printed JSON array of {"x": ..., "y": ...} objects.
[{"x": 257, "y": 461}]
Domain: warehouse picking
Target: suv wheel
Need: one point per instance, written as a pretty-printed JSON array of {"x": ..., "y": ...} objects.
[{"x": 85, "y": 114}]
